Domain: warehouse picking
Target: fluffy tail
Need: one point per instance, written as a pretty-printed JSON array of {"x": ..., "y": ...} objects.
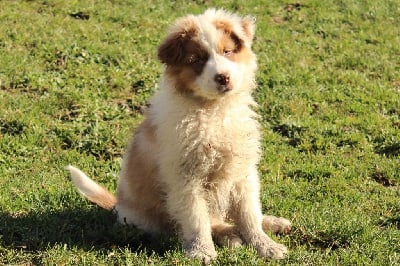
[{"x": 91, "y": 190}]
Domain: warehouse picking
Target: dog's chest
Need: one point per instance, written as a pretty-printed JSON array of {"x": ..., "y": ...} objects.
[{"x": 209, "y": 141}]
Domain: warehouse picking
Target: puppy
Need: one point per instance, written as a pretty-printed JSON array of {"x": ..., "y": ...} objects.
[{"x": 192, "y": 166}]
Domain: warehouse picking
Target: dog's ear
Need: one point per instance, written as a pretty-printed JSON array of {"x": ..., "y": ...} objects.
[
  {"x": 172, "y": 50},
  {"x": 249, "y": 27}
]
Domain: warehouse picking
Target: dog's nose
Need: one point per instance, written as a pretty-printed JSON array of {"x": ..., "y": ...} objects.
[{"x": 222, "y": 79}]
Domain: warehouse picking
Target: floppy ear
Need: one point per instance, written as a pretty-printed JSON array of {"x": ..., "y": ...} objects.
[
  {"x": 172, "y": 49},
  {"x": 249, "y": 27}
]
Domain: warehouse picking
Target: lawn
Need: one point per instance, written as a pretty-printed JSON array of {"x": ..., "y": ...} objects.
[{"x": 75, "y": 76}]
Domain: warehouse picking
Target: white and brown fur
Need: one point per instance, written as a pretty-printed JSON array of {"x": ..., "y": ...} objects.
[{"x": 192, "y": 165}]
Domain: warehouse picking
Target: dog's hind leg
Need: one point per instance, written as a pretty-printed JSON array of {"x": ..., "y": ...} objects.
[
  {"x": 276, "y": 225},
  {"x": 226, "y": 235}
]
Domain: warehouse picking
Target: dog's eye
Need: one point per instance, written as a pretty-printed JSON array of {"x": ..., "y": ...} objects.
[
  {"x": 194, "y": 59},
  {"x": 228, "y": 52}
]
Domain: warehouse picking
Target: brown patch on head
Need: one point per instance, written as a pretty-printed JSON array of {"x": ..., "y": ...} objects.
[
  {"x": 172, "y": 50},
  {"x": 183, "y": 54},
  {"x": 247, "y": 25},
  {"x": 230, "y": 45},
  {"x": 184, "y": 71},
  {"x": 181, "y": 46},
  {"x": 223, "y": 25},
  {"x": 182, "y": 78}
]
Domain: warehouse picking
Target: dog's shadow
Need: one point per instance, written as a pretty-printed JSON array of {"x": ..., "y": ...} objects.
[{"x": 88, "y": 229}]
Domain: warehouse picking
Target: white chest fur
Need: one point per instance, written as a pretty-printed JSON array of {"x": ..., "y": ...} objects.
[{"x": 202, "y": 139}]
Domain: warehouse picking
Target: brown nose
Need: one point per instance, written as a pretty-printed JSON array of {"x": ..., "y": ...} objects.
[{"x": 222, "y": 79}]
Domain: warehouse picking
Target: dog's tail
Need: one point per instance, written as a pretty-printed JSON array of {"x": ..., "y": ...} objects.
[{"x": 91, "y": 190}]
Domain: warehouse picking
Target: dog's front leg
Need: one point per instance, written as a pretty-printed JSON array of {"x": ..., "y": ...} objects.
[
  {"x": 188, "y": 207},
  {"x": 248, "y": 217}
]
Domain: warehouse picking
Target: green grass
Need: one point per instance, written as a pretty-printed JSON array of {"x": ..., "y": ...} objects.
[{"x": 75, "y": 74}]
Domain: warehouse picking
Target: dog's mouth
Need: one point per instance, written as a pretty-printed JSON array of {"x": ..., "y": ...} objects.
[{"x": 224, "y": 89}]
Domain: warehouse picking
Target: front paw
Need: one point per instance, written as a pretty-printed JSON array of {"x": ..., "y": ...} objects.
[
  {"x": 201, "y": 250},
  {"x": 268, "y": 248}
]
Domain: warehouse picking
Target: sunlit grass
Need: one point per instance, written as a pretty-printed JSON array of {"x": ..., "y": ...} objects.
[{"x": 75, "y": 74}]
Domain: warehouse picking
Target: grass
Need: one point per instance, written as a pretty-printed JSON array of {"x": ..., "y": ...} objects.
[{"x": 75, "y": 74}]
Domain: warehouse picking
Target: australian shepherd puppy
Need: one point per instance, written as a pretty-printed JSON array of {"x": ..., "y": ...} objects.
[{"x": 192, "y": 166}]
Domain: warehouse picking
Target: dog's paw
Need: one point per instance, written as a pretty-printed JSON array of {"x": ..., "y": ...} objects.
[
  {"x": 276, "y": 225},
  {"x": 231, "y": 241},
  {"x": 268, "y": 248},
  {"x": 205, "y": 252},
  {"x": 227, "y": 236}
]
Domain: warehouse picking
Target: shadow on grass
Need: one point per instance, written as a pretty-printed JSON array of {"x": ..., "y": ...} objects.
[
  {"x": 91, "y": 229},
  {"x": 323, "y": 240},
  {"x": 391, "y": 221}
]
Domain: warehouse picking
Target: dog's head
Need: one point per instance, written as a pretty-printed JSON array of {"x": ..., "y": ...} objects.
[{"x": 209, "y": 55}]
